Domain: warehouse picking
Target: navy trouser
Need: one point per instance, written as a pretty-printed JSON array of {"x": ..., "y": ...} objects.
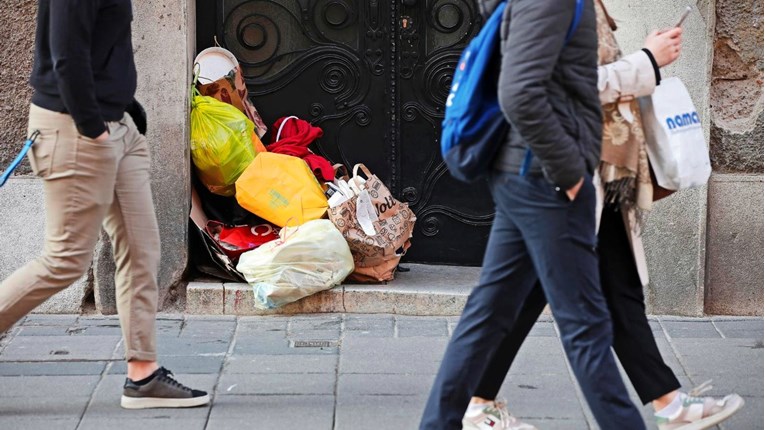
[
  {"x": 538, "y": 235},
  {"x": 634, "y": 343}
]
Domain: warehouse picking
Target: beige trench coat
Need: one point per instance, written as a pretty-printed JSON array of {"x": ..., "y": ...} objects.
[{"x": 620, "y": 82}]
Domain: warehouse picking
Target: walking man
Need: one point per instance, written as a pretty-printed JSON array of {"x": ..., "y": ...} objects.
[
  {"x": 95, "y": 169},
  {"x": 544, "y": 229}
]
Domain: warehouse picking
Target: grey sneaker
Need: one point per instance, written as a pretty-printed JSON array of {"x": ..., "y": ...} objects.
[
  {"x": 161, "y": 391},
  {"x": 700, "y": 413},
  {"x": 494, "y": 416}
]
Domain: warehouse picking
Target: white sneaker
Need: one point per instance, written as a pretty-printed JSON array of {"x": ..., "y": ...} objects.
[
  {"x": 494, "y": 416},
  {"x": 698, "y": 413}
]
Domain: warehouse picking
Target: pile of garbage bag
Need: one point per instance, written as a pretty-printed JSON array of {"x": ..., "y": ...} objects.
[{"x": 278, "y": 216}]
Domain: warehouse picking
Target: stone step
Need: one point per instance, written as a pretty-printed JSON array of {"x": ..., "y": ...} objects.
[{"x": 424, "y": 290}]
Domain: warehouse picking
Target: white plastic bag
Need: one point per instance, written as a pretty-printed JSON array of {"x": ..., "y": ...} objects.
[
  {"x": 676, "y": 145},
  {"x": 305, "y": 260}
]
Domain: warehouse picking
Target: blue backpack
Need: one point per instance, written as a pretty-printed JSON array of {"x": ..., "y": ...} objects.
[{"x": 474, "y": 127}]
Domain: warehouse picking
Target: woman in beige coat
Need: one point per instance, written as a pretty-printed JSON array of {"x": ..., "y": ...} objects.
[{"x": 627, "y": 194}]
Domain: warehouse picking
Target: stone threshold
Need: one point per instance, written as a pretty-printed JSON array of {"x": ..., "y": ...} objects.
[{"x": 424, "y": 290}]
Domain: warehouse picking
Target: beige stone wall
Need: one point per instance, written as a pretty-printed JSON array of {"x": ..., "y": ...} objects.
[
  {"x": 736, "y": 93},
  {"x": 17, "y": 28},
  {"x": 734, "y": 264}
]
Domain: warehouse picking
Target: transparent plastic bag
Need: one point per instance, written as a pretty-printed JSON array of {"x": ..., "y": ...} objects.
[
  {"x": 222, "y": 144},
  {"x": 305, "y": 260}
]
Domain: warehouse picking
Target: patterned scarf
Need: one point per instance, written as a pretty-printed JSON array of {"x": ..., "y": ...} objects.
[{"x": 624, "y": 168}]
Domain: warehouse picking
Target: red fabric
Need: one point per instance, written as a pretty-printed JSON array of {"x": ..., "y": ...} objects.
[
  {"x": 239, "y": 239},
  {"x": 296, "y": 135}
]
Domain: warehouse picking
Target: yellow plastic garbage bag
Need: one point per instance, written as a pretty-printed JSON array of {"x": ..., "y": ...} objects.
[
  {"x": 281, "y": 189},
  {"x": 222, "y": 143},
  {"x": 305, "y": 260}
]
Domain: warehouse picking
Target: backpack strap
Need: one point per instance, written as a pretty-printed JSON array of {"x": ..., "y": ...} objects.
[
  {"x": 15, "y": 163},
  {"x": 571, "y": 30}
]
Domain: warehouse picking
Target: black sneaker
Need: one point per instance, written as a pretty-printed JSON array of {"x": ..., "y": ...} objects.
[{"x": 160, "y": 390}]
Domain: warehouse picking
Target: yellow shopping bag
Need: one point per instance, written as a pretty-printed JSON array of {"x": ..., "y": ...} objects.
[
  {"x": 223, "y": 143},
  {"x": 281, "y": 189}
]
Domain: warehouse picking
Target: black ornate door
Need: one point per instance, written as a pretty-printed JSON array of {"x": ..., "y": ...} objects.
[{"x": 374, "y": 74}]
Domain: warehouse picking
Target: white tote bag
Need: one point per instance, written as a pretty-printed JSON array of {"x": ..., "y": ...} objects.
[{"x": 676, "y": 145}]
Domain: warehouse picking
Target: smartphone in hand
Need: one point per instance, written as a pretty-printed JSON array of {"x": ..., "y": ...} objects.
[{"x": 685, "y": 14}]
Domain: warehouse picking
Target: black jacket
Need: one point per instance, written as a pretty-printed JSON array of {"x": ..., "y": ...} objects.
[
  {"x": 84, "y": 61},
  {"x": 548, "y": 90}
]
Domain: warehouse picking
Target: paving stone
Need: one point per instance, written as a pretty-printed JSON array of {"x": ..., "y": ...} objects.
[
  {"x": 43, "y": 330},
  {"x": 558, "y": 424},
  {"x": 272, "y": 412},
  {"x": 187, "y": 364},
  {"x": 277, "y": 383},
  {"x": 94, "y": 331},
  {"x": 540, "y": 355},
  {"x": 52, "y": 368},
  {"x": 744, "y": 329},
  {"x": 281, "y": 364},
  {"x": 543, "y": 329},
  {"x": 50, "y": 320},
  {"x": 14, "y": 422},
  {"x": 274, "y": 343},
  {"x": 368, "y": 322},
  {"x": 67, "y": 348},
  {"x": 392, "y": 355},
  {"x": 690, "y": 329},
  {"x": 58, "y": 407},
  {"x": 315, "y": 322},
  {"x": 165, "y": 422},
  {"x": 734, "y": 365},
  {"x": 260, "y": 323},
  {"x": 106, "y": 401},
  {"x": 314, "y": 335},
  {"x": 386, "y": 412},
  {"x": 528, "y": 396},
  {"x": 419, "y": 327},
  {"x": 221, "y": 329},
  {"x": 369, "y": 384},
  {"x": 369, "y": 326},
  {"x": 26, "y": 387}
]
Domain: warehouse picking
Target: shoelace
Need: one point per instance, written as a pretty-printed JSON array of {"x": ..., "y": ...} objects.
[
  {"x": 167, "y": 376},
  {"x": 500, "y": 406}
]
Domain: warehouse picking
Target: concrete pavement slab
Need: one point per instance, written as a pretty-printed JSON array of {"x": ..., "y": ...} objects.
[
  {"x": 67, "y": 348},
  {"x": 277, "y": 383},
  {"x": 542, "y": 397},
  {"x": 392, "y": 355},
  {"x": 367, "y": 384},
  {"x": 32, "y": 423},
  {"x": 379, "y": 412},
  {"x": 690, "y": 329},
  {"x": 734, "y": 365},
  {"x": 50, "y": 320},
  {"x": 272, "y": 412},
  {"x": 48, "y": 407},
  {"x": 48, "y": 368},
  {"x": 44, "y": 386},
  {"x": 270, "y": 364},
  {"x": 275, "y": 343},
  {"x": 157, "y": 423},
  {"x": 421, "y": 327},
  {"x": 745, "y": 329}
]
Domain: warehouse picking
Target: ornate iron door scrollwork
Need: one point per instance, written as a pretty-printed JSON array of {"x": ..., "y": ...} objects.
[{"x": 374, "y": 74}]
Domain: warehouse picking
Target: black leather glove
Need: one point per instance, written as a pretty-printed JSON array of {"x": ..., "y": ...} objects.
[{"x": 135, "y": 110}]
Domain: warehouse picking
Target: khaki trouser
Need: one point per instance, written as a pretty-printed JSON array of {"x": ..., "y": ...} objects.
[{"x": 87, "y": 185}]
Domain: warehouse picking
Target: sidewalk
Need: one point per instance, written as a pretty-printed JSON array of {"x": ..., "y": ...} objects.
[{"x": 327, "y": 372}]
